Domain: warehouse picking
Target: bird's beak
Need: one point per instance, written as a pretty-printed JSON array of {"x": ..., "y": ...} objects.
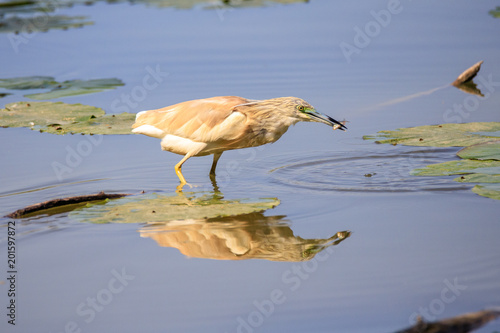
[{"x": 326, "y": 119}]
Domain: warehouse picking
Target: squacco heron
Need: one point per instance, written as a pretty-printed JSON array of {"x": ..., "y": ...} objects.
[{"x": 213, "y": 125}]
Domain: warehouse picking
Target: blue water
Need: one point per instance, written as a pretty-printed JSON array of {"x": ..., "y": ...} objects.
[{"x": 412, "y": 237}]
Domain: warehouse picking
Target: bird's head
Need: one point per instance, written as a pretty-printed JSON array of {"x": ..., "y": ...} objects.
[
  {"x": 306, "y": 112},
  {"x": 292, "y": 108}
]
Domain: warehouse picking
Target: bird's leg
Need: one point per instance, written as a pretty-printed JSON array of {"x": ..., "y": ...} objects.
[
  {"x": 178, "y": 170},
  {"x": 214, "y": 164},
  {"x": 214, "y": 184}
]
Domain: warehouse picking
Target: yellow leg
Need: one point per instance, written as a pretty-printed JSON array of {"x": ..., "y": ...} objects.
[
  {"x": 178, "y": 170},
  {"x": 214, "y": 164}
]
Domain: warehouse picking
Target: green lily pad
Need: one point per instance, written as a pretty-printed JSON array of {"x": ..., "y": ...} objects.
[
  {"x": 17, "y": 24},
  {"x": 59, "y": 89},
  {"x": 461, "y": 167},
  {"x": 480, "y": 161},
  {"x": 478, "y": 178},
  {"x": 28, "y": 6},
  {"x": 62, "y": 118},
  {"x": 163, "y": 208},
  {"x": 78, "y": 87},
  {"x": 446, "y": 135},
  {"x": 108, "y": 124},
  {"x": 41, "y": 114},
  {"x": 488, "y": 190},
  {"x": 495, "y": 12},
  {"x": 28, "y": 82},
  {"x": 484, "y": 151}
]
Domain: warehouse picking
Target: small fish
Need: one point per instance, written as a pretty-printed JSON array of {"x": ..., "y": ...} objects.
[{"x": 340, "y": 125}]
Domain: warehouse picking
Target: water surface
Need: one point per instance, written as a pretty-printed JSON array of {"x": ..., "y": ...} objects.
[{"x": 410, "y": 237}]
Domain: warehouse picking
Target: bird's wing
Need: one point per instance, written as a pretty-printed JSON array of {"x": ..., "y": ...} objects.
[{"x": 202, "y": 120}]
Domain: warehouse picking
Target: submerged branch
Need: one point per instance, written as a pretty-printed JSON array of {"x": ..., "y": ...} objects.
[
  {"x": 63, "y": 202},
  {"x": 460, "y": 324}
]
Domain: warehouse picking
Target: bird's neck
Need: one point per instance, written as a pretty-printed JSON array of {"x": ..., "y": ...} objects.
[{"x": 270, "y": 127}]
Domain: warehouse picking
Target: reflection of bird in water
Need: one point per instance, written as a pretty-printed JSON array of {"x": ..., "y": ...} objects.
[
  {"x": 214, "y": 125},
  {"x": 248, "y": 236}
]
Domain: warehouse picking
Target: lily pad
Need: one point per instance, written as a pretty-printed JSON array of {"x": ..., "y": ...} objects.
[
  {"x": 29, "y": 6},
  {"x": 461, "y": 167},
  {"x": 488, "y": 190},
  {"x": 480, "y": 161},
  {"x": 446, "y": 135},
  {"x": 59, "y": 89},
  {"x": 484, "y": 171},
  {"x": 484, "y": 151},
  {"x": 78, "y": 87},
  {"x": 17, "y": 24},
  {"x": 28, "y": 82},
  {"x": 108, "y": 124},
  {"x": 495, "y": 12},
  {"x": 63, "y": 118},
  {"x": 41, "y": 114},
  {"x": 478, "y": 178},
  {"x": 162, "y": 208}
]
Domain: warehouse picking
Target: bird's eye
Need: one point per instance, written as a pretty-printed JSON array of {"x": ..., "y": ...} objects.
[{"x": 301, "y": 108}]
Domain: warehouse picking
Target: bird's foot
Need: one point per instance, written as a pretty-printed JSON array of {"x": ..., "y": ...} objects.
[{"x": 181, "y": 186}]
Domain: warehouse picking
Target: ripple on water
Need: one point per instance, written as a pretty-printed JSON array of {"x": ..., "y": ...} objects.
[{"x": 364, "y": 171}]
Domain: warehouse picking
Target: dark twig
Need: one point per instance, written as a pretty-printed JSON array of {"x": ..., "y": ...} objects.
[
  {"x": 461, "y": 324},
  {"x": 63, "y": 202}
]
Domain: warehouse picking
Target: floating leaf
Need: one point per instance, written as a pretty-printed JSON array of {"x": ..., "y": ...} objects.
[
  {"x": 163, "y": 208},
  {"x": 44, "y": 6},
  {"x": 488, "y": 190},
  {"x": 478, "y": 178},
  {"x": 41, "y": 114},
  {"x": 461, "y": 167},
  {"x": 483, "y": 151},
  {"x": 78, "y": 87},
  {"x": 62, "y": 118},
  {"x": 59, "y": 89},
  {"x": 108, "y": 124},
  {"x": 473, "y": 171},
  {"x": 495, "y": 12},
  {"x": 29, "y": 6},
  {"x": 16, "y": 24},
  {"x": 28, "y": 82},
  {"x": 480, "y": 158},
  {"x": 446, "y": 135}
]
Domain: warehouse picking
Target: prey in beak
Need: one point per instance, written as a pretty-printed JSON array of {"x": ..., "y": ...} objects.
[{"x": 326, "y": 119}]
